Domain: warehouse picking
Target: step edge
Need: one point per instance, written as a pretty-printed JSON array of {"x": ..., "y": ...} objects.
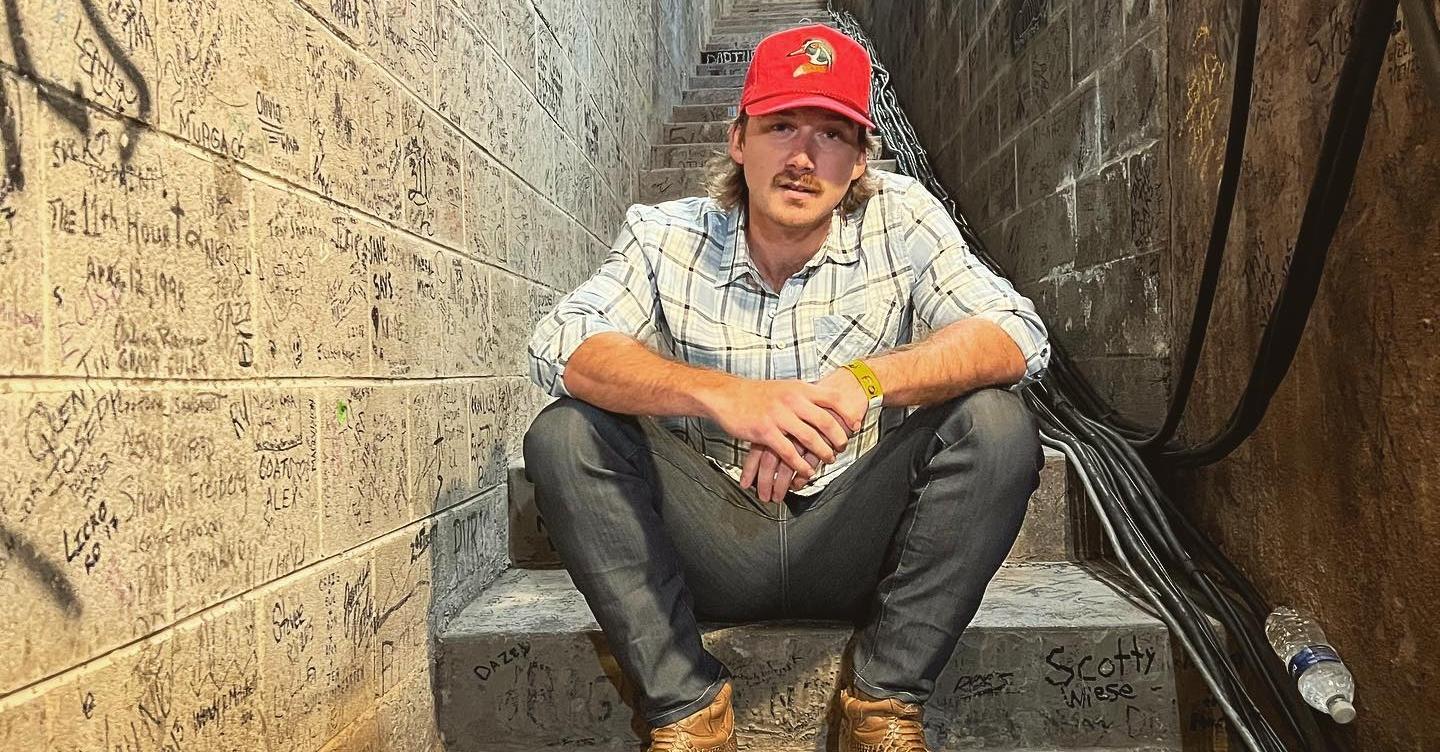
[
  {"x": 450, "y": 634},
  {"x": 1135, "y": 614}
]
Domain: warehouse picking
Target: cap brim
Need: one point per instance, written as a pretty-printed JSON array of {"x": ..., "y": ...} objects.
[{"x": 776, "y": 104}]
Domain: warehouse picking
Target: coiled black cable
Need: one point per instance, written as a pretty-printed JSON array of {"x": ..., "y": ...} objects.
[
  {"x": 1334, "y": 175},
  {"x": 1247, "y": 37}
]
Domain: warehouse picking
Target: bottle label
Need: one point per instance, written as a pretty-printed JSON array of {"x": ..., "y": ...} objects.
[{"x": 1310, "y": 656}]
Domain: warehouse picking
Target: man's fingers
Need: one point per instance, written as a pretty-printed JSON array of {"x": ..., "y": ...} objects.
[
  {"x": 771, "y": 477},
  {"x": 797, "y": 483},
  {"x": 828, "y": 424},
  {"x": 854, "y": 427},
  {"x": 766, "y": 480},
  {"x": 751, "y": 464},
  {"x": 783, "y": 447},
  {"x": 831, "y": 400},
  {"x": 809, "y": 439},
  {"x": 784, "y": 478},
  {"x": 826, "y": 398},
  {"x": 785, "y": 481}
]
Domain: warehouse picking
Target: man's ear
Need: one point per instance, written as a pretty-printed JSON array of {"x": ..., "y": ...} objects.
[{"x": 737, "y": 137}]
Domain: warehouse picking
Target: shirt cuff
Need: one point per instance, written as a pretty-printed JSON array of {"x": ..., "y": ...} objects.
[
  {"x": 1033, "y": 344},
  {"x": 548, "y": 364}
]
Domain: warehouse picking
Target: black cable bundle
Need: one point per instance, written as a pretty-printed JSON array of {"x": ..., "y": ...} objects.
[
  {"x": 1329, "y": 192},
  {"x": 1183, "y": 575}
]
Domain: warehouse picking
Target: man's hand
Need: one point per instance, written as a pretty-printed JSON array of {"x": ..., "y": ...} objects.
[
  {"x": 786, "y": 417},
  {"x": 853, "y": 402},
  {"x": 763, "y": 466},
  {"x": 773, "y": 479}
]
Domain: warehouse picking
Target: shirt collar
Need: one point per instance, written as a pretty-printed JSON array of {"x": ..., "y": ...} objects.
[
  {"x": 841, "y": 246},
  {"x": 737, "y": 252}
]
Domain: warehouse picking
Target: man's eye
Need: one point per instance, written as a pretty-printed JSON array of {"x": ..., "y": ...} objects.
[{"x": 832, "y": 134}]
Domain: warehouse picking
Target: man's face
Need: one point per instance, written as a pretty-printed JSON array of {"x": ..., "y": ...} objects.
[{"x": 798, "y": 163}]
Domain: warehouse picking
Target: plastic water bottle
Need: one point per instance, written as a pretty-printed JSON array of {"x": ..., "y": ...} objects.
[{"x": 1323, "y": 680}]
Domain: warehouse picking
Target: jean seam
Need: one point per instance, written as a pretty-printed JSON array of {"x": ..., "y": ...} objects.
[
  {"x": 871, "y": 688},
  {"x": 686, "y": 710},
  {"x": 784, "y": 572}
]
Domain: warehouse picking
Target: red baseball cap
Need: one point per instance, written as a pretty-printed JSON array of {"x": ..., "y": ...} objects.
[{"x": 809, "y": 66}]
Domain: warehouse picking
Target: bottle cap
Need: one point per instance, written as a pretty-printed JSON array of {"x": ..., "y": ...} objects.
[{"x": 1340, "y": 709}]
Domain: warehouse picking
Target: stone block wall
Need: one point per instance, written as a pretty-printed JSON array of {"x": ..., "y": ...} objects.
[
  {"x": 1044, "y": 119},
  {"x": 267, "y": 269}
]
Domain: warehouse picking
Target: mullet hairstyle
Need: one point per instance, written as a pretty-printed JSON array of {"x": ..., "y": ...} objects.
[{"x": 725, "y": 178}]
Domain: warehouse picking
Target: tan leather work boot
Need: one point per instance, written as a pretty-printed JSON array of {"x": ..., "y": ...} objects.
[
  {"x": 709, "y": 729},
  {"x": 871, "y": 725}
]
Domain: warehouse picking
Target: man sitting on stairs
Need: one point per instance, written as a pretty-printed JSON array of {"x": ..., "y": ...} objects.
[{"x": 731, "y": 441}]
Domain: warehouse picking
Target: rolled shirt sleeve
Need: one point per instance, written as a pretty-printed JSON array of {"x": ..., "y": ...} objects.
[
  {"x": 619, "y": 297},
  {"x": 951, "y": 284}
]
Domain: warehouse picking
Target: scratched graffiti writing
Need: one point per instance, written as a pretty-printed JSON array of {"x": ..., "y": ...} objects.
[{"x": 1084, "y": 679}]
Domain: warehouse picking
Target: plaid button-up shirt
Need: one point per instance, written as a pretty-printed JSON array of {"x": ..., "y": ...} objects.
[{"x": 680, "y": 278}]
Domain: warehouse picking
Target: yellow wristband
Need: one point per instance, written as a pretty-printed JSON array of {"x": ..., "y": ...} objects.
[{"x": 866, "y": 377}]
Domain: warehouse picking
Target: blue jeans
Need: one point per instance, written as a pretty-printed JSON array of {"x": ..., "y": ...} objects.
[{"x": 902, "y": 543}]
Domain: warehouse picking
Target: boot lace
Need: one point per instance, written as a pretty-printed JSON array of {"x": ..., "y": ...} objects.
[
  {"x": 667, "y": 739},
  {"x": 905, "y": 735}
]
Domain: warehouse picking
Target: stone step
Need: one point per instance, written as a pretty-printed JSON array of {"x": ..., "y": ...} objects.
[
  {"x": 769, "y": 25},
  {"x": 634, "y": 745},
  {"x": 684, "y": 155},
  {"x": 773, "y": 8},
  {"x": 784, "y": 17},
  {"x": 722, "y": 69},
  {"x": 779, "y": 12},
  {"x": 754, "y": 21},
  {"x": 712, "y": 57},
  {"x": 704, "y": 113},
  {"x": 762, "y": 6},
  {"x": 728, "y": 95},
  {"x": 694, "y": 133},
  {"x": 1047, "y": 535},
  {"x": 1056, "y": 658},
  {"x": 742, "y": 41},
  {"x": 734, "y": 43},
  {"x": 715, "y": 82},
  {"x": 750, "y": 8}
]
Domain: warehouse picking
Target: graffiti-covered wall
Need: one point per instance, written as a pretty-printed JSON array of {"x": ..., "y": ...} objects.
[{"x": 267, "y": 269}]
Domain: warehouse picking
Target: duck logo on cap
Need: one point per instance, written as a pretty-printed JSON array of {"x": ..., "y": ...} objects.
[{"x": 819, "y": 56}]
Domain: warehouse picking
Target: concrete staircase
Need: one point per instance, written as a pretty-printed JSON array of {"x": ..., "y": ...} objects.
[
  {"x": 1059, "y": 656},
  {"x": 699, "y": 125}
]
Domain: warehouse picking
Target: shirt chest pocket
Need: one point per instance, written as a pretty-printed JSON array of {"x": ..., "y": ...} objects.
[{"x": 843, "y": 337}]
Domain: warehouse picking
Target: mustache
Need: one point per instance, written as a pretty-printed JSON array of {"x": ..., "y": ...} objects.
[{"x": 805, "y": 182}]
